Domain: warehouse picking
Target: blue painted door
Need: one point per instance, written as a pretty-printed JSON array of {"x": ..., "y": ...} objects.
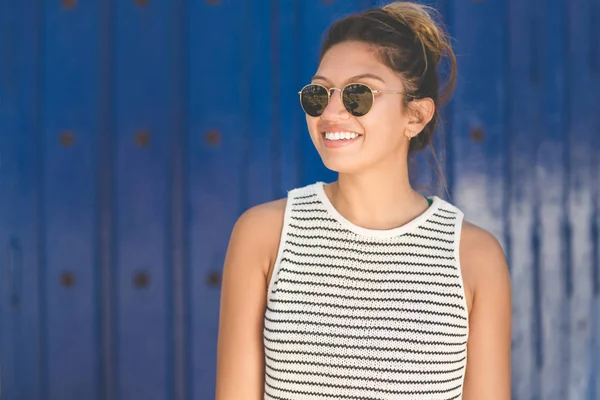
[{"x": 134, "y": 133}]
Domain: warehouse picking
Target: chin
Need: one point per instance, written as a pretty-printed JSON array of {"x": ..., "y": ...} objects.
[{"x": 343, "y": 165}]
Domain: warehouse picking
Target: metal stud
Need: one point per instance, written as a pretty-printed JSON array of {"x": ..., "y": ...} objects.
[
  {"x": 69, "y": 4},
  {"x": 477, "y": 134},
  {"x": 67, "y": 279},
  {"x": 142, "y": 138},
  {"x": 141, "y": 279},
  {"x": 213, "y": 137},
  {"x": 213, "y": 279},
  {"x": 67, "y": 138}
]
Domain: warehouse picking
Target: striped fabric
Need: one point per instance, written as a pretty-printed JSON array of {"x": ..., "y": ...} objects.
[{"x": 355, "y": 313}]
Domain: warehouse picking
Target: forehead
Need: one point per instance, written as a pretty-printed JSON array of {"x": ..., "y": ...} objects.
[{"x": 348, "y": 59}]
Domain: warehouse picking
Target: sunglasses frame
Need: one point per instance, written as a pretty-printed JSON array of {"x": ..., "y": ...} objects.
[{"x": 329, "y": 91}]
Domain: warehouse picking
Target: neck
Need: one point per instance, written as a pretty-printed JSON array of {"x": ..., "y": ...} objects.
[{"x": 377, "y": 199}]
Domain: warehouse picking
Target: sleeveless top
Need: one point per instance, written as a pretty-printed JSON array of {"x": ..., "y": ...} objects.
[{"x": 356, "y": 313}]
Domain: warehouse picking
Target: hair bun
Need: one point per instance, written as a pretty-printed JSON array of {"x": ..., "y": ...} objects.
[
  {"x": 419, "y": 19},
  {"x": 434, "y": 39}
]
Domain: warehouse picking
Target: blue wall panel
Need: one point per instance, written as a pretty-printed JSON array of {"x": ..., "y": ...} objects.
[
  {"x": 478, "y": 121},
  {"x": 593, "y": 377},
  {"x": 580, "y": 195},
  {"x": 134, "y": 133},
  {"x": 551, "y": 211},
  {"x": 521, "y": 134},
  {"x": 217, "y": 137},
  {"x": 21, "y": 350},
  {"x": 260, "y": 143},
  {"x": 142, "y": 214},
  {"x": 68, "y": 162},
  {"x": 288, "y": 118}
]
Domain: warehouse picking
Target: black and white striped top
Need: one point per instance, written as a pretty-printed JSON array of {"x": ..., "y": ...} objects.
[{"x": 355, "y": 313}]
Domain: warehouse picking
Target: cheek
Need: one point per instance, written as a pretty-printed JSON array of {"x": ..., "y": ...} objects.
[
  {"x": 311, "y": 124},
  {"x": 385, "y": 124}
]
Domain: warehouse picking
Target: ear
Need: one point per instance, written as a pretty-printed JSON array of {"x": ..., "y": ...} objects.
[{"x": 420, "y": 112}]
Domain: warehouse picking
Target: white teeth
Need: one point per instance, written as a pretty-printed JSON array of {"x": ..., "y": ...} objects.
[{"x": 340, "y": 135}]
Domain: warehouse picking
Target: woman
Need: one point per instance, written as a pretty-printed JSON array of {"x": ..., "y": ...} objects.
[{"x": 363, "y": 288}]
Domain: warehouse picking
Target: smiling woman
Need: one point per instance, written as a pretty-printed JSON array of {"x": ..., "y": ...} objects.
[{"x": 363, "y": 288}]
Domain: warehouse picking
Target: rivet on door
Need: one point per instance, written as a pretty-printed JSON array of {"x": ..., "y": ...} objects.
[
  {"x": 67, "y": 279},
  {"x": 67, "y": 138}
]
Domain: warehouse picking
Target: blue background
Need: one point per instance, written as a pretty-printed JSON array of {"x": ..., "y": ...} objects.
[{"x": 133, "y": 133}]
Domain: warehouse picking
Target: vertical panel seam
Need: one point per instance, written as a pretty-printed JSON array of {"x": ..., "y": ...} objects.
[
  {"x": 106, "y": 209},
  {"x": 297, "y": 139},
  {"x": 176, "y": 299},
  {"x": 276, "y": 131},
  {"x": 41, "y": 248}
]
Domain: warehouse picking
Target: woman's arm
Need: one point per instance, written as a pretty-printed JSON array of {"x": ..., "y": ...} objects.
[
  {"x": 488, "y": 349},
  {"x": 240, "y": 355}
]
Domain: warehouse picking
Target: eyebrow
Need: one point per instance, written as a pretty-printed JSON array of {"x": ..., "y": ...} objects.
[{"x": 353, "y": 79}]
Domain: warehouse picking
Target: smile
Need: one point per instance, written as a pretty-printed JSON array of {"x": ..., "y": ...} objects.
[{"x": 339, "y": 139}]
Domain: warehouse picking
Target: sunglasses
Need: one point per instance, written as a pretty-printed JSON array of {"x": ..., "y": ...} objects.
[{"x": 357, "y": 98}]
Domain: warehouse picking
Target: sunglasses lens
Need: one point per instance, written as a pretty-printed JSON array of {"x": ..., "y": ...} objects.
[
  {"x": 358, "y": 99},
  {"x": 314, "y": 99}
]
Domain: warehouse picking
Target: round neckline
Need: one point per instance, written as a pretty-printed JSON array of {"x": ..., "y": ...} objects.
[{"x": 385, "y": 233}]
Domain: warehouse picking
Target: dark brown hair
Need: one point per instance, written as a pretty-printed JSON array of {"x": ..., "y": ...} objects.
[{"x": 407, "y": 39}]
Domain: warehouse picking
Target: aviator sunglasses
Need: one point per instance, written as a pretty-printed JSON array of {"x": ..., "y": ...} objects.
[{"x": 357, "y": 98}]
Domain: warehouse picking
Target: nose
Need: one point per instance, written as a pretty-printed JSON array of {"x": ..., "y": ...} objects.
[{"x": 335, "y": 109}]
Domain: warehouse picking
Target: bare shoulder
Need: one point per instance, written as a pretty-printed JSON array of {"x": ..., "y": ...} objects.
[
  {"x": 477, "y": 244},
  {"x": 487, "y": 284},
  {"x": 482, "y": 260},
  {"x": 240, "y": 353},
  {"x": 259, "y": 228},
  {"x": 268, "y": 214}
]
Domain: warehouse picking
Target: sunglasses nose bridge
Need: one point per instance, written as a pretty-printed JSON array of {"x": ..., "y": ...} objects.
[
  {"x": 335, "y": 105},
  {"x": 332, "y": 90}
]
